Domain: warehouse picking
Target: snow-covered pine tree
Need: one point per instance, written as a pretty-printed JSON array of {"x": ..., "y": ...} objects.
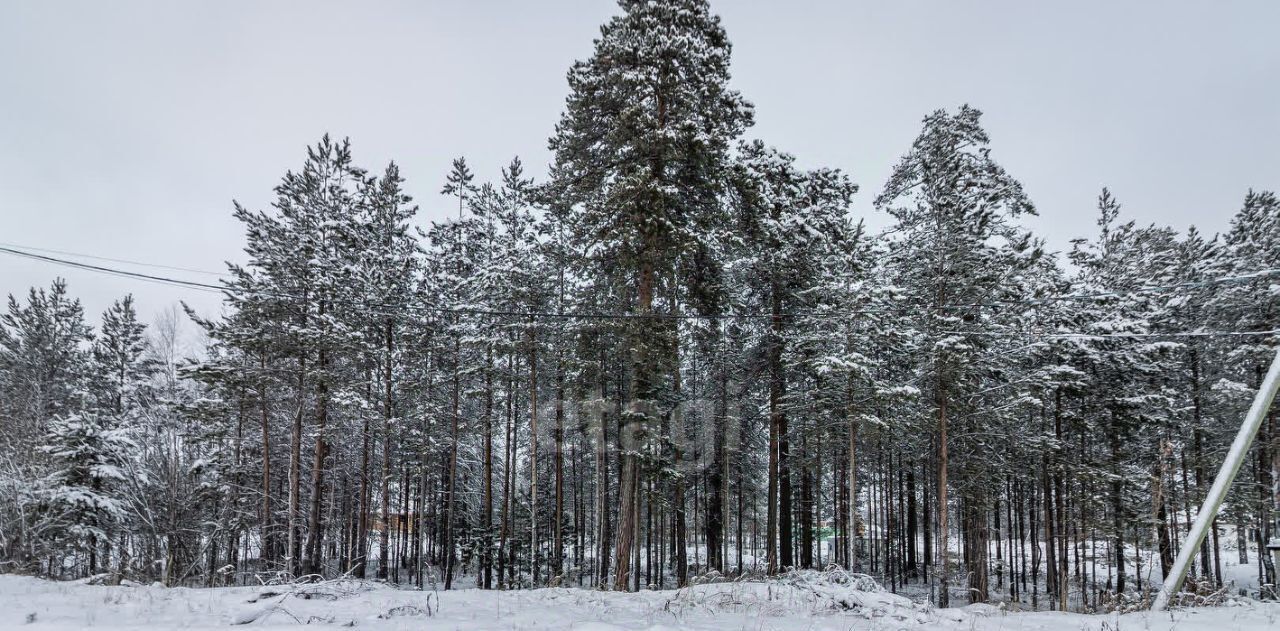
[
  {"x": 44, "y": 371},
  {"x": 88, "y": 459},
  {"x": 1196, "y": 262},
  {"x": 451, "y": 258},
  {"x": 791, "y": 221},
  {"x": 1127, "y": 388},
  {"x": 956, "y": 243},
  {"x": 43, "y": 353},
  {"x": 639, "y": 154},
  {"x": 122, "y": 368},
  {"x": 386, "y": 265},
  {"x": 1251, "y": 248},
  {"x": 301, "y": 262},
  {"x": 852, "y": 352},
  {"x": 122, "y": 373}
]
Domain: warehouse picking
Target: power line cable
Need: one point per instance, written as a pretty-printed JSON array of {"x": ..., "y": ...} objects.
[
  {"x": 114, "y": 272},
  {"x": 401, "y": 309},
  {"x": 428, "y": 308},
  {"x": 994, "y": 304},
  {"x": 113, "y": 260}
]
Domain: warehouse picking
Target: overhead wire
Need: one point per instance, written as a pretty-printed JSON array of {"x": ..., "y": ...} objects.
[
  {"x": 403, "y": 310},
  {"x": 113, "y": 260}
]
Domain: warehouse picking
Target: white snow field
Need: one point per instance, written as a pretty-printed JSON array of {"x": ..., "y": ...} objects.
[{"x": 30, "y": 603}]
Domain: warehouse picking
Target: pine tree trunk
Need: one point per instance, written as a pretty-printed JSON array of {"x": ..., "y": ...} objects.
[
  {"x": 362, "y": 531},
  {"x": 778, "y": 391},
  {"x": 852, "y": 465},
  {"x": 453, "y": 466},
  {"x": 602, "y": 525},
  {"x": 1050, "y": 537},
  {"x": 533, "y": 452},
  {"x": 384, "y": 538},
  {"x": 714, "y": 522},
  {"x": 314, "y": 536},
  {"x": 913, "y": 527},
  {"x": 631, "y": 429},
  {"x": 771, "y": 500},
  {"x": 927, "y": 534},
  {"x": 779, "y": 471},
  {"x": 507, "y": 467},
  {"x": 944, "y": 564},
  {"x": 486, "y": 554},
  {"x": 627, "y": 490},
  {"x": 1158, "y": 477},
  {"x": 233, "y": 543},
  {"x": 424, "y": 485},
  {"x": 741, "y": 515},
  {"x": 806, "y": 508},
  {"x": 295, "y": 472},
  {"x": 557, "y": 532},
  {"x": 268, "y": 532},
  {"x": 1059, "y": 508},
  {"x": 680, "y": 541}
]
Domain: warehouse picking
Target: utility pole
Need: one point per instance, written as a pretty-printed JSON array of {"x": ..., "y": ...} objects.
[{"x": 1213, "y": 501}]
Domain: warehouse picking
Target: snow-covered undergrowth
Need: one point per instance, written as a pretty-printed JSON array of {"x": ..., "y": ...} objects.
[{"x": 817, "y": 601}]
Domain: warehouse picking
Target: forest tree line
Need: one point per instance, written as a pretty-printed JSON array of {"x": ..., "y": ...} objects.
[{"x": 677, "y": 358}]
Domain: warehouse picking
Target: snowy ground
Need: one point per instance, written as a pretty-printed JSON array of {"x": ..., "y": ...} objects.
[{"x": 28, "y": 603}]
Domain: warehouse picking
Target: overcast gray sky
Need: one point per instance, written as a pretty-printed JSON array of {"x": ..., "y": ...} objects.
[{"x": 126, "y": 128}]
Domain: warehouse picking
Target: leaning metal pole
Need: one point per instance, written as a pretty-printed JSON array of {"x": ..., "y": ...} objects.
[{"x": 1213, "y": 501}]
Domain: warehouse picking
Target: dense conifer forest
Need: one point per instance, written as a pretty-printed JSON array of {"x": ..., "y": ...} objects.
[{"x": 677, "y": 358}]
